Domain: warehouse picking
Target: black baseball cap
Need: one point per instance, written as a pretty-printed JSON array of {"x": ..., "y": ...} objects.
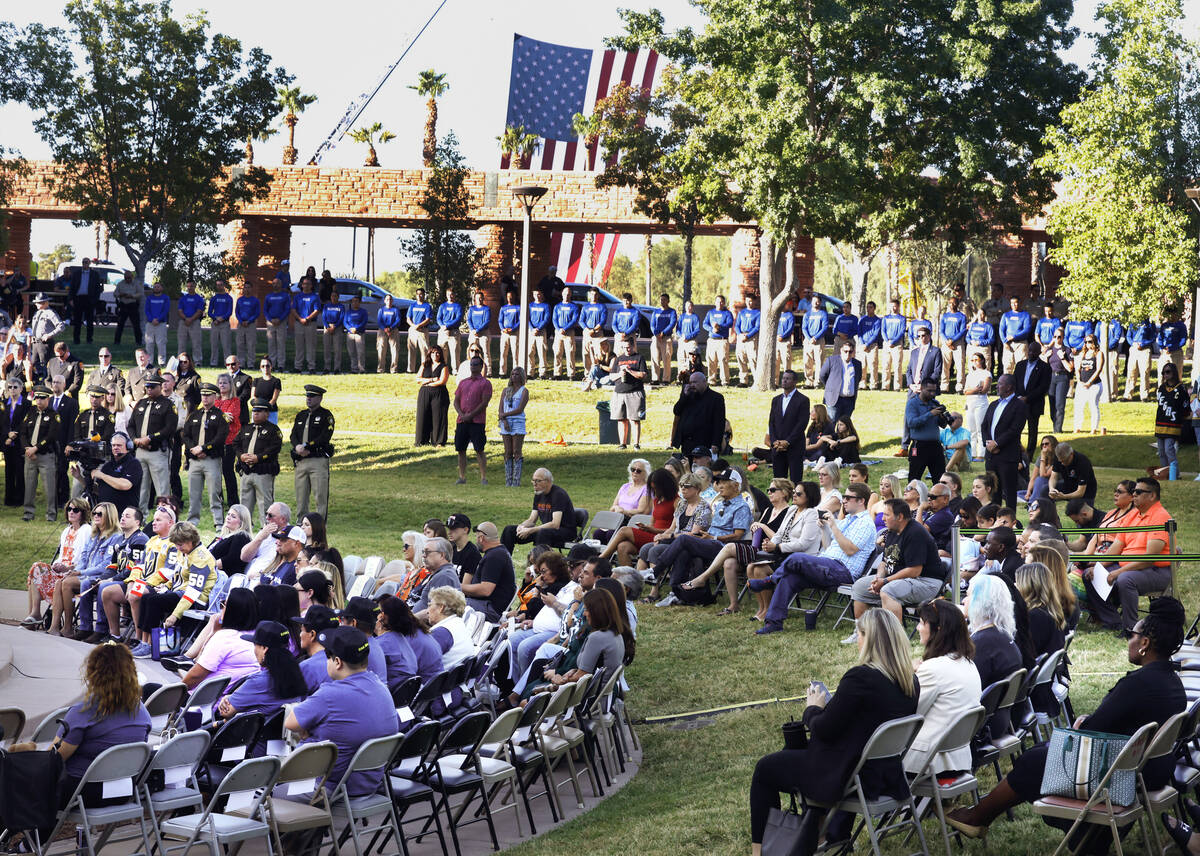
[
  {"x": 319, "y": 617},
  {"x": 581, "y": 553},
  {"x": 359, "y": 609},
  {"x": 458, "y": 521},
  {"x": 348, "y": 644},
  {"x": 269, "y": 634}
]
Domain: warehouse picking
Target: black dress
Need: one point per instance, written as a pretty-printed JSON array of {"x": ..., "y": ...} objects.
[
  {"x": 433, "y": 405},
  {"x": 11, "y": 417}
]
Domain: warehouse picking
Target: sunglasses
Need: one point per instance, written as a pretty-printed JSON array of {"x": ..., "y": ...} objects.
[
  {"x": 1139, "y": 491},
  {"x": 74, "y": 511},
  {"x": 636, "y": 470},
  {"x": 774, "y": 490}
]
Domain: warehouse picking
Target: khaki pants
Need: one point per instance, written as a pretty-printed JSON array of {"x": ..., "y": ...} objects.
[
  {"x": 358, "y": 356},
  {"x": 716, "y": 358},
  {"x": 200, "y": 472},
  {"x": 188, "y": 338},
  {"x": 660, "y": 358},
  {"x": 257, "y": 490},
  {"x": 537, "y": 347},
  {"x": 277, "y": 343},
  {"x": 814, "y": 356},
  {"x": 869, "y": 356},
  {"x": 156, "y": 475},
  {"x": 747, "y": 359},
  {"x": 418, "y": 347},
  {"x": 982, "y": 350},
  {"x": 564, "y": 354},
  {"x": 387, "y": 350},
  {"x": 484, "y": 341},
  {"x": 838, "y": 340},
  {"x": 1014, "y": 352},
  {"x": 156, "y": 342},
  {"x": 247, "y": 345},
  {"x": 312, "y": 481},
  {"x": 952, "y": 355},
  {"x": 1175, "y": 357},
  {"x": 46, "y": 466},
  {"x": 893, "y": 367},
  {"x": 331, "y": 348},
  {"x": 783, "y": 357},
  {"x": 687, "y": 349},
  {"x": 306, "y": 346},
  {"x": 591, "y": 348},
  {"x": 1137, "y": 365},
  {"x": 1111, "y": 360},
  {"x": 448, "y": 339},
  {"x": 510, "y": 341},
  {"x": 219, "y": 339}
]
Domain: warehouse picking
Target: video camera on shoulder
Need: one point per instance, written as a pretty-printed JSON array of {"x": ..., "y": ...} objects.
[{"x": 89, "y": 454}]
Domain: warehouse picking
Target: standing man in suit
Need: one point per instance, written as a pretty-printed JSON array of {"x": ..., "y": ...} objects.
[
  {"x": 1003, "y": 422},
  {"x": 784, "y": 440},
  {"x": 924, "y": 363},
  {"x": 1031, "y": 380},
  {"x": 841, "y": 375},
  {"x": 67, "y": 409},
  {"x": 84, "y": 290}
]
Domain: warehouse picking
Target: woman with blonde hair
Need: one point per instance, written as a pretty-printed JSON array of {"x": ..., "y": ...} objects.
[
  {"x": 412, "y": 570},
  {"x": 889, "y": 488},
  {"x": 92, "y": 566},
  {"x": 881, "y": 687},
  {"x": 236, "y": 532},
  {"x": 115, "y": 402},
  {"x": 1066, "y": 604},
  {"x": 44, "y": 577},
  {"x": 829, "y": 479}
]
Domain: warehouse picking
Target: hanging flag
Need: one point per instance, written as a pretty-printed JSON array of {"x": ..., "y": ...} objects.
[{"x": 544, "y": 95}]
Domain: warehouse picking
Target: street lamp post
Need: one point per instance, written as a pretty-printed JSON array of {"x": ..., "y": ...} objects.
[
  {"x": 1193, "y": 193},
  {"x": 528, "y": 196}
]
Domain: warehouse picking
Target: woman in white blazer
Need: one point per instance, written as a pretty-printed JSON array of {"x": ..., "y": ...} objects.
[{"x": 949, "y": 685}]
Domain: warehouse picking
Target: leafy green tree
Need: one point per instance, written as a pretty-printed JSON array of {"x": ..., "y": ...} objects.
[
  {"x": 11, "y": 168},
  {"x": 147, "y": 123},
  {"x": 829, "y": 120},
  {"x": 59, "y": 255},
  {"x": 443, "y": 254},
  {"x": 1122, "y": 226},
  {"x": 370, "y": 135},
  {"x": 520, "y": 146}
]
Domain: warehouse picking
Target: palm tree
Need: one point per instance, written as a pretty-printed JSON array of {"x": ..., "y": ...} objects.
[
  {"x": 588, "y": 127},
  {"x": 431, "y": 85},
  {"x": 292, "y": 101},
  {"x": 371, "y": 135},
  {"x": 263, "y": 135},
  {"x": 519, "y": 145}
]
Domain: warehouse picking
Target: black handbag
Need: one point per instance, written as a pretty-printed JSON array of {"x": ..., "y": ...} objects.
[
  {"x": 784, "y": 834},
  {"x": 29, "y": 790}
]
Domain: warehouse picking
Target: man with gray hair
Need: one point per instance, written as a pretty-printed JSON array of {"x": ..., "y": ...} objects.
[
  {"x": 441, "y": 573},
  {"x": 259, "y": 552},
  {"x": 551, "y": 523}
]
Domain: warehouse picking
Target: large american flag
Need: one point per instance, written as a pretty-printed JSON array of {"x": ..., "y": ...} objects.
[{"x": 549, "y": 84}]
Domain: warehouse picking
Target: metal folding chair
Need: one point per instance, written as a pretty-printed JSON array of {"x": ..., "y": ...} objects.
[{"x": 247, "y": 785}]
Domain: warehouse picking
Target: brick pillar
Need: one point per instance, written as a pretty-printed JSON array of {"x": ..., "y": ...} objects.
[
  {"x": 18, "y": 256},
  {"x": 539, "y": 257},
  {"x": 259, "y": 245},
  {"x": 805, "y": 265},
  {"x": 744, "y": 258}
]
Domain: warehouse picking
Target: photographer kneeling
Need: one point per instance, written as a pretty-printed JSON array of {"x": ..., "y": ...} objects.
[{"x": 925, "y": 416}]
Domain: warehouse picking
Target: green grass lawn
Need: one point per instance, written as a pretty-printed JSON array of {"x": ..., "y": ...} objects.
[{"x": 691, "y": 794}]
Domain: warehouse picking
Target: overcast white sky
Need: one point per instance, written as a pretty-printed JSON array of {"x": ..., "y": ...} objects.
[{"x": 338, "y": 50}]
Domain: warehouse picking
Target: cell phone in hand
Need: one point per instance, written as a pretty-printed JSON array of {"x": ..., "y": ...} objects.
[{"x": 821, "y": 689}]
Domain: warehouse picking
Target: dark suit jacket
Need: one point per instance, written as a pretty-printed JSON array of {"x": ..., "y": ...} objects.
[
  {"x": 68, "y": 412},
  {"x": 95, "y": 284},
  {"x": 931, "y": 369},
  {"x": 864, "y": 700},
  {"x": 13, "y": 424},
  {"x": 700, "y": 420},
  {"x": 1008, "y": 430},
  {"x": 790, "y": 424},
  {"x": 71, "y": 369},
  {"x": 1039, "y": 385},
  {"x": 831, "y": 376}
]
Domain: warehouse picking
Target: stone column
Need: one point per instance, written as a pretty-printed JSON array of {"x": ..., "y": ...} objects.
[
  {"x": 497, "y": 243},
  {"x": 804, "y": 269},
  {"x": 539, "y": 256},
  {"x": 18, "y": 256},
  {"x": 259, "y": 245}
]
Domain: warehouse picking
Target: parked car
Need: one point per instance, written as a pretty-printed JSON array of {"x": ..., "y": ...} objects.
[
  {"x": 371, "y": 296},
  {"x": 106, "y": 311},
  {"x": 611, "y": 303}
]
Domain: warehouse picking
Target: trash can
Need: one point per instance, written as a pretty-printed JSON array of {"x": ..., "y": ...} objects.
[{"x": 607, "y": 429}]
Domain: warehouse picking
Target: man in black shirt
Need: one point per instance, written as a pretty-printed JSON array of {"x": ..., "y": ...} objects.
[
  {"x": 910, "y": 572},
  {"x": 1085, "y": 517},
  {"x": 118, "y": 480},
  {"x": 466, "y": 554},
  {"x": 493, "y": 584},
  {"x": 699, "y": 416},
  {"x": 552, "y": 521},
  {"x": 629, "y": 393},
  {"x": 1073, "y": 476}
]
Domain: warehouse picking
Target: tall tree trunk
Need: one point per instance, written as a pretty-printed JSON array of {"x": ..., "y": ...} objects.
[
  {"x": 689, "y": 235},
  {"x": 857, "y": 266},
  {"x": 649, "y": 276},
  {"x": 589, "y": 253},
  {"x": 289, "y": 152},
  {"x": 249, "y": 151},
  {"x": 429, "y": 149},
  {"x": 776, "y": 274},
  {"x": 372, "y": 157}
]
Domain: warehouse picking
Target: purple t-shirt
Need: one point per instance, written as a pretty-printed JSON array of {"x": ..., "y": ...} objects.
[
  {"x": 93, "y": 734},
  {"x": 350, "y": 712},
  {"x": 399, "y": 655},
  {"x": 256, "y": 695},
  {"x": 470, "y": 393},
  {"x": 228, "y": 655},
  {"x": 429, "y": 654}
]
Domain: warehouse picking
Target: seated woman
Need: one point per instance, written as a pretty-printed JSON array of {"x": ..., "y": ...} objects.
[
  {"x": 1152, "y": 693},
  {"x": 692, "y": 516},
  {"x": 819, "y": 428},
  {"x": 446, "y": 608},
  {"x": 916, "y": 494},
  {"x": 993, "y": 629},
  {"x": 844, "y": 442},
  {"x": 1060, "y": 585},
  {"x": 546, "y": 575},
  {"x": 226, "y": 654},
  {"x": 859, "y": 473},
  {"x": 829, "y": 480},
  {"x": 633, "y": 497},
  {"x": 397, "y": 619},
  {"x": 111, "y": 714},
  {"x": 739, "y": 555},
  {"x": 316, "y": 531},
  {"x": 609, "y": 642},
  {"x": 1047, "y": 623},
  {"x": 890, "y": 487},
  {"x": 314, "y": 587},
  {"x": 399, "y": 655},
  {"x": 1040, "y": 511},
  {"x": 92, "y": 567},
  {"x": 949, "y": 685},
  {"x": 798, "y": 533},
  {"x": 277, "y": 683},
  {"x": 412, "y": 572},
  {"x": 985, "y": 488},
  {"x": 45, "y": 576},
  {"x": 628, "y": 540},
  {"x": 236, "y": 532},
  {"x": 880, "y": 688},
  {"x": 1040, "y": 471}
]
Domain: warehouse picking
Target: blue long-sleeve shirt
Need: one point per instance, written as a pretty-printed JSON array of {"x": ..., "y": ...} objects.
[
  {"x": 718, "y": 322},
  {"x": 1045, "y": 329},
  {"x": 787, "y": 324},
  {"x": 893, "y": 328},
  {"x": 277, "y": 305},
  {"x": 592, "y": 316},
  {"x": 815, "y": 324},
  {"x": 1172, "y": 336},
  {"x": 565, "y": 315},
  {"x": 625, "y": 321},
  {"x": 1116, "y": 333},
  {"x": 306, "y": 304},
  {"x": 663, "y": 321},
  {"x": 918, "y": 416},
  {"x": 247, "y": 309},
  {"x": 845, "y": 325},
  {"x": 747, "y": 322},
  {"x": 388, "y": 317},
  {"x": 919, "y": 324},
  {"x": 418, "y": 313},
  {"x": 1015, "y": 326},
  {"x": 980, "y": 334},
  {"x": 510, "y": 317},
  {"x": 954, "y": 327},
  {"x": 689, "y": 326},
  {"x": 870, "y": 328},
  {"x": 332, "y": 314},
  {"x": 356, "y": 320},
  {"x": 190, "y": 304},
  {"x": 539, "y": 316},
  {"x": 449, "y": 314},
  {"x": 220, "y": 307},
  {"x": 1143, "y": 334},
  {"x": 1074, "y": 332},
  {"x": 478, "y": 318},
  {"x": 96, "y": 557},
  {"x": 158, "y": 308}
]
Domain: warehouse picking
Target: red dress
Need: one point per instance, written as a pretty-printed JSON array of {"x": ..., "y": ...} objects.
[{"x": 662, "y": 513}]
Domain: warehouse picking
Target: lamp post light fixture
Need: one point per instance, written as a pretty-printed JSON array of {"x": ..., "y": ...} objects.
[
  {"x": 528, "y": 196},
  {"x": 1193, "y": 193}
]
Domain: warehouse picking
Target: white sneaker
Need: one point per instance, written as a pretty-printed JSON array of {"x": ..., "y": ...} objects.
[
  {"x": 31, "y": 620},
  {"x": 851, "y": 639},
  {"x": 669, "y": 600}
]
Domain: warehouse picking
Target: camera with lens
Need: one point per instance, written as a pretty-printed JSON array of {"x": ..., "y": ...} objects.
[
  {"x": 89, "y": 454},
  {"x": 943, "y": 419}
]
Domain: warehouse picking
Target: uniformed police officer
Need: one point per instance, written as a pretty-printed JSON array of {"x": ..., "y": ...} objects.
[
  {"x": 257, "y": 449},
  {"x": 203, "y": 437},
  {"x": 95, "y": 423},
  {"x": 39, "y": 438},
  {"x": 151, "y": 424},
  {"x": 43, "y": 327},
  {"x": 106, "y": 374},
  {"x": 312, "y": 448}
]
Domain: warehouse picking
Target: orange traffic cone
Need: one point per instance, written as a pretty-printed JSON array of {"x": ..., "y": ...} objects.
[{"x": 557, "y": 441}]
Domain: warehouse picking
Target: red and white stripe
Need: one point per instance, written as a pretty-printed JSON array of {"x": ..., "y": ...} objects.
[{"x": 609, "y": 68}]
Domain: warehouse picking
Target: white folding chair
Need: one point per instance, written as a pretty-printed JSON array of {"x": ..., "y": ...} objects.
[
  {"x": 115, "y": 770},
  {"x": 47, "y": 729},
  {"x": 169, "y": 784},
  {"x": 928, "y": 785},
  {"x": 372, "y": 755},
  {"x": 247, "y": 785},
  {"x": 206, "y": 694},
  {"x": 303, "y": 776}
]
